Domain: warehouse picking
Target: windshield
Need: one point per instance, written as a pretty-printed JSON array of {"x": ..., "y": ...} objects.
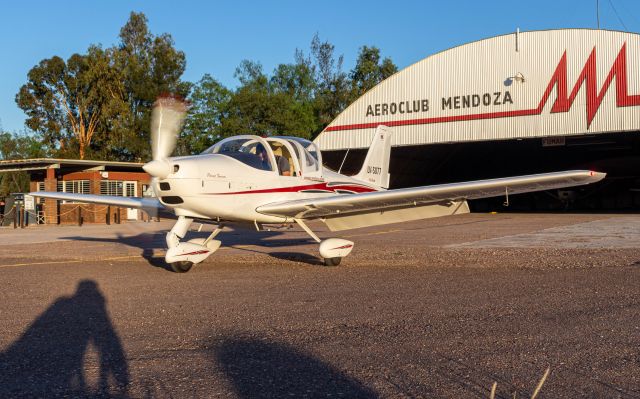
[{"x": 249, "y": 151}]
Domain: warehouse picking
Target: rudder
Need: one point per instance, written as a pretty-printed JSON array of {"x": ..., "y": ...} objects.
[{"x": 375, "y": 169}]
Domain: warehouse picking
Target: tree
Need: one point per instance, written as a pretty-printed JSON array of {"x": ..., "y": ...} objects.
[
  {"x": 250, "y": 107},
  {"x": 18, "y": 146},
  {"x": 99, "y": 103},
  {"x": 332, "y": 84},
  {"x": 368, "y": 71},
  {"x": 64, "y": 101},
  {"x": 299, "y": 98},
  {"x": 296, "y": 80},
  {"x": 292, "y": 88},
  {"x": 209, "y": 101},
  {"x": 150, "y": 66},
  {"x": 278, "y": 105}
]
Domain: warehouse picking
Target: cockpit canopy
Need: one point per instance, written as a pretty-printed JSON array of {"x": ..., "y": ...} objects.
[
  {"x": 245, "y": 149},
  {"x": 289, "y": 156}
]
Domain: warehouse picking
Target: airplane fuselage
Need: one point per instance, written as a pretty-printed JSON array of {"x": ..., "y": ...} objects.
[{"x": 216, "y": 186}]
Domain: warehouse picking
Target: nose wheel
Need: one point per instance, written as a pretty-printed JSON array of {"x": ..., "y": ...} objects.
[
  {"x": 332, "y": 261},
  {"x": 181, "y": 267},
  {"x": 181, "y": 256}
]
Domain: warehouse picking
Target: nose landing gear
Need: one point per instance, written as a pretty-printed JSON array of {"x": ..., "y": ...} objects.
[{"x": 183, "y": 255}]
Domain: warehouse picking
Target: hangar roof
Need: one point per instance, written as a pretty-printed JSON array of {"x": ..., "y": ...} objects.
[
  {"x": 552, "y": 83},
  {"x": 15, "y": 165}
]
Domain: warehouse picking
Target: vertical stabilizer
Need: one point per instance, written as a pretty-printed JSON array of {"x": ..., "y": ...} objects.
[{"x": 375, "y": 169}]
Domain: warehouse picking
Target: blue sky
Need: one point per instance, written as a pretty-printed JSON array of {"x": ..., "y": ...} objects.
[{"x": 216, "y": 36}]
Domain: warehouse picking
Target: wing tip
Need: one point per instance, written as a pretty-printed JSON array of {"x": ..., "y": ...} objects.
[{"x": 597, "y": 175}]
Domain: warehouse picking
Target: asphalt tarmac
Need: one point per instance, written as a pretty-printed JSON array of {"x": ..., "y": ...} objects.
[{"x": 436, "y": 308}]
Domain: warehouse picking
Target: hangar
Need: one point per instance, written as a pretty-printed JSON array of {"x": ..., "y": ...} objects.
[{"x": 525, "y": 102}]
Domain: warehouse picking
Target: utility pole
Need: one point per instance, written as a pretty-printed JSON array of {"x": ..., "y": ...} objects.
[{"x": 598, "y": 12}]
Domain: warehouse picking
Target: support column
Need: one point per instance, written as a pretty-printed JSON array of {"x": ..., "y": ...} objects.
[{"x": 50, "y": 206}]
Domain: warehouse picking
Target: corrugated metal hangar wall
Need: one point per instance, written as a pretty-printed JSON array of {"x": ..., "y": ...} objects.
[{"x": 525, "y": 102}]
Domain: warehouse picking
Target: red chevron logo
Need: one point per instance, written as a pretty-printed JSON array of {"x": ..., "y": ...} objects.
[{"x": 588, "y": 76}]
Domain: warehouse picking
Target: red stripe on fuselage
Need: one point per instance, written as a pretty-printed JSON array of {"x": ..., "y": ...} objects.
[{"x": 294, "y": 189}]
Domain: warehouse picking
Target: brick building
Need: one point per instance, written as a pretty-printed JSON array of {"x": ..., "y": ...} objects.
[{"x": 86, "y": 177}]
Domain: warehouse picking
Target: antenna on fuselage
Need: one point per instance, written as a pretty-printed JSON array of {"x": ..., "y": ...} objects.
[{"x": 343, "y": 159}]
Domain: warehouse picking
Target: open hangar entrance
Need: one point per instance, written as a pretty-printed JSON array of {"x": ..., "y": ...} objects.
[
  {"x": 616, "y": 154},
  {"x": 523, "y": 103}
]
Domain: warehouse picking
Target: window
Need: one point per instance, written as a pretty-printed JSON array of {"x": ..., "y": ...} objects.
[
  {"x": 40, "y": 187},
  {"x": 129, "y": 189},
  {"x": 284, "y": 159},
  {"x": 249, "y": 151},
  {"x": 73, "y": 186},
  {"x": 310, "y": 162},
  {"x": 118, "y": 188},
  {"x": 111, "y": 187}
]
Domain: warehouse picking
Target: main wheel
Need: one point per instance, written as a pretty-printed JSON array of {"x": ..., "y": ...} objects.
[
  {"x": 182, "y": 266},
  {"x": 332, "y": 261}
]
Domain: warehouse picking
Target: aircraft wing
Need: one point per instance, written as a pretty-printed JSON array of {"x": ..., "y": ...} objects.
[
  {"x": 125, "y": 202},
  {"x": 381, "y": 201}
]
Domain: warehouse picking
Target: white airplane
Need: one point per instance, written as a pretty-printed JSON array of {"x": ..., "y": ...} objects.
[{"x": 281, "y": 180}]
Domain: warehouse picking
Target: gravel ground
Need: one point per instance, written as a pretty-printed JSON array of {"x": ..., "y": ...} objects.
[{"x": 439, "y": 308}]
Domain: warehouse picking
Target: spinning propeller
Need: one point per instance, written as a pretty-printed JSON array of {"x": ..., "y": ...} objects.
[{"x": 166, "y": 121}]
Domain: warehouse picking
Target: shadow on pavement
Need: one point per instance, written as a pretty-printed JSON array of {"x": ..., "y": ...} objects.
[
  {"x": 298, "y": 257},
  {"x": 151, "y": 241},
  {"x": 48, "y": 360},
  {"x": 258, "y": 369}
]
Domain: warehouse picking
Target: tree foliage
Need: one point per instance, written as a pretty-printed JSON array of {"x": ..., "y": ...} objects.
[
  {"x": 282, "y": 104},
  {"x": 299, "y": 98},
  {"x": 333, "y": 86},
  {"x": 369, "y": 71},
  {"x": 65, "y": 101},
  {"x": 209, "y": 102},
  {"x": 18, "y": 146},
  {"x": 149, "y": 66},
  {"x": 99, "y": 104}
]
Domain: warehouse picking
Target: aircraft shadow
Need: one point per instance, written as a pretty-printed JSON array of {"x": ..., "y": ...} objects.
[
  {"x": 151, "y": 241},
  {"x": 48, "y": 359},
  {"x": 258, "y": 369},
  {"x": 298, "y": 257},
  {"x": 289, "y": 256}
]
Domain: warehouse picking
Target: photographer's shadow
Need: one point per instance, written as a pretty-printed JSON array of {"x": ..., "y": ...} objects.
[{"x": 48, "y": 359}]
